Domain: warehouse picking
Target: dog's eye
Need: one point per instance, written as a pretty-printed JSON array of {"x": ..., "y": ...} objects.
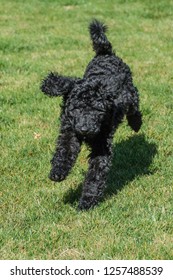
[{"x": 98, "y": 106}]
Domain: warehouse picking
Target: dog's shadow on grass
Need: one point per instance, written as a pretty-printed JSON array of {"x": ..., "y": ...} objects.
[{"x": 131, "y": 158}]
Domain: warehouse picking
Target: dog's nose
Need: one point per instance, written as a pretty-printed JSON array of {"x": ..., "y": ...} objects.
[{"x": 84, "y": 129}]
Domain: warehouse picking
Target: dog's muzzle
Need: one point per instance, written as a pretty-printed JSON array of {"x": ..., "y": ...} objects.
[{"x": 85, "y": 131}]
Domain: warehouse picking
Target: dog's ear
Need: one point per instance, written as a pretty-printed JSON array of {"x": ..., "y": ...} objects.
[{"x": 57, "y": 85}]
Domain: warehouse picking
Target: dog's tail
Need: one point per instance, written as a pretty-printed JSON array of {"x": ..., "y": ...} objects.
[{"x": 101, "y": 45}]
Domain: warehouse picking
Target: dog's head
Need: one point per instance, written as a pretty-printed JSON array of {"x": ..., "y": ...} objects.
[
  {"x": 89, "y": 106},
  {"x": 89, "y": 103},
  {"x": 86, "y": 112}
]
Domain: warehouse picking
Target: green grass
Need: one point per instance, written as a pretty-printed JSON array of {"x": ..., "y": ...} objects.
[{"x": 39, "y": 219}]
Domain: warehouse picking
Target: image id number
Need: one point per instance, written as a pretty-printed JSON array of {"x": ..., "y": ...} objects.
[{"x": 133, "y": 270}]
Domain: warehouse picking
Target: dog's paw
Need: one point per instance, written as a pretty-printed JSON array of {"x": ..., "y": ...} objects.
[
  {"x": 87, "y": 203},
  {"x": 135, "y": 121},
  {"x": 56, "y": 176},
  {"x": 46, "y": 85}
]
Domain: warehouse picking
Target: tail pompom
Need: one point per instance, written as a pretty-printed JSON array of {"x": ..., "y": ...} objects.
[
  {"x": 101, "y": 45},
  {"x": 96, "y": 28}
]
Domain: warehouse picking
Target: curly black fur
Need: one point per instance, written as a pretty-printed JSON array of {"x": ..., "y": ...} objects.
[{"x": 93, "y": 107}]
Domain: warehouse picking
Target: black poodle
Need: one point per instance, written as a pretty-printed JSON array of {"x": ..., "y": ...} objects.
[{"x": 93, "y": 107}]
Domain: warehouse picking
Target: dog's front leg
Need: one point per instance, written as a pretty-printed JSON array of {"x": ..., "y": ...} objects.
[
  {"x": 95, "y": 180},
  {"x": 68, "y": 147}
]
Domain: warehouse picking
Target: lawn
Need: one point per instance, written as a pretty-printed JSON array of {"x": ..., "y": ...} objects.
[{"x": 39, "y": 219}]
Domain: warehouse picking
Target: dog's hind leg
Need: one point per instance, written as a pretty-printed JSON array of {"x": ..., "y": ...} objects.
[
  {"x": 131, "y": 106},
  {"x": 135, "y": 120},
  {"x": 68, "y": 147},
  {"x": 57, "y": 85}
]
